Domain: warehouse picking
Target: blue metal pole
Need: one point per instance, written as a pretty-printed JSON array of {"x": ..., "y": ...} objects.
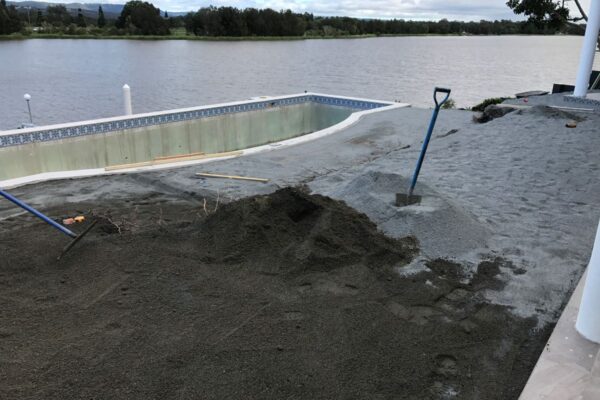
[
  {"x": 436, "y": 111},
  {"x": 423, "y": 151},
  {"x": 37, "y": 214}
]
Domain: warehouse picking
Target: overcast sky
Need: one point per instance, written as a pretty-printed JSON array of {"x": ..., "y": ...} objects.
[{"x": 408, "y": 9}]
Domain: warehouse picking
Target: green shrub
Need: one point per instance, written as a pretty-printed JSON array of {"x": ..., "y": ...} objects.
[
  {"x": 96, "y": 31},
  {"x": 71, "y": 29},
  {"x": 450, "y": 104},
  {"x": 113, "y": 31}
]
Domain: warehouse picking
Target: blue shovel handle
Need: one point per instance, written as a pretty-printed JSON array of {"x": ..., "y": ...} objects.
[
  {"x": 436, "y": 111},
  {"x": 38, "y": 214},
  {"x": 441, "y": 90}
]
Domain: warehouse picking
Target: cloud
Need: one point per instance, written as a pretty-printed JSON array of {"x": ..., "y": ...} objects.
[{"x": 467, "y": 10}]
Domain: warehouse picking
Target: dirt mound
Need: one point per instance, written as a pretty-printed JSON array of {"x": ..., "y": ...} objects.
[
  {"x": 283, "y": 296},
  {"x": 491, "y": 112},
  {"x": 291, "y": 230}
]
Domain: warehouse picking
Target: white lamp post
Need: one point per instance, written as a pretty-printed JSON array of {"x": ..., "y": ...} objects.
[
  {"x": 588, "y": 51},
  {"x": 27, "y": 98}
]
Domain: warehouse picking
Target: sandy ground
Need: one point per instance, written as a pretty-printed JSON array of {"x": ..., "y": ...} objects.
[{"x": 513, "y": 203}]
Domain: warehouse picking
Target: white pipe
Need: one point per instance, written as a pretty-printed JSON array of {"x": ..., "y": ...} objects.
[
  {"x": 588, "y": 319},
  {"x": 127, "y": 99},
  {"x": 588, "y": 50}
]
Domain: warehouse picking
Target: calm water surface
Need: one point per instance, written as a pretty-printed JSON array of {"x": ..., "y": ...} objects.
[{"x": 72, "y": 80}]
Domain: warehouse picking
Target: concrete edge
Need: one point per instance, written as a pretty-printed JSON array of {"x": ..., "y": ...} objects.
[{"x": 568, "y": 366}]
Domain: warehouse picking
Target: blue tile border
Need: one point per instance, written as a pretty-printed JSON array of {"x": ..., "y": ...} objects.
[
  {"x": 348, "y": 103},
  {"x": 48, "y": 135}
]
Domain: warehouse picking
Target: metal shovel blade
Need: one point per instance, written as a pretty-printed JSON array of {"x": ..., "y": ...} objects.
[
  {"x": 77, "y": 239},
  {"x": 403, "y": 199}
]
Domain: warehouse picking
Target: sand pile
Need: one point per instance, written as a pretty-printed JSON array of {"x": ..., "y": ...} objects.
[{"x": 292, "y": 231}]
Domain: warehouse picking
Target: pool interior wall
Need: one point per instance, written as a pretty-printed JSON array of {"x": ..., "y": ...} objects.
[{"x": 216, "y": 134}]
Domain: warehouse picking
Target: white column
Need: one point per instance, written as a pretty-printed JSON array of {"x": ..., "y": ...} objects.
[
  {"x": 588, "y": 319},
  {"x": 588, "y": 51},
  {"x": 127, "y": 99}
]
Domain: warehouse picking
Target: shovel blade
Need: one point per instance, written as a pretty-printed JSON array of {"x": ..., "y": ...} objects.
[
  {"x": 403, "y": 199},
  {"x": 77, "y": 239}
]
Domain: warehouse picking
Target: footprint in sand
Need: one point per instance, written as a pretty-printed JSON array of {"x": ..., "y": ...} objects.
[
  {"x": 446, "y": 365},
  {"x": 446, "y": 369},
  {"x": 444, "y": 391},
  {"x": 293, "y": 315}
]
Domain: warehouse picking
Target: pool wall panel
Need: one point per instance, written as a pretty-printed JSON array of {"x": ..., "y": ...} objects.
[
  {"x": 133, "y": 139},
  {"x": 209, "y": 135}
]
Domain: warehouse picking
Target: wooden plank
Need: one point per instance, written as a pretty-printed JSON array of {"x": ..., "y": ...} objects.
[
  {"x": 180, "y": 156},
  {"x": 241, "y": 178},
  {"x": 169, "y": 160},
  {"x": 128, "y": 166},
  {"x": 200, "y": 157}
]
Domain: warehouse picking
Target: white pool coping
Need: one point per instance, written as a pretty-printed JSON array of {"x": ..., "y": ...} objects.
[
  {"x": 49, "y": 176},
  {"x": 569, "y": 366},
  {"x": 182, "y": 110}
]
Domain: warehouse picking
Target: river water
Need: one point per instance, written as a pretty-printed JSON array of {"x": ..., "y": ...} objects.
[{"x": 73, "y": 79}]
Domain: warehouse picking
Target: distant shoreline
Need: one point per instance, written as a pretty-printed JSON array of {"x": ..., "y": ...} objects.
[
  {"x": 178, "y": 37},
  {"x": 233, "y": 38}
]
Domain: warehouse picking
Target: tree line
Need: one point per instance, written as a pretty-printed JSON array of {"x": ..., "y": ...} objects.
[
  {"x": 136, "y": 18},
  {"x": 230, "y": 21},
  {"x": 143, "y": 18}
]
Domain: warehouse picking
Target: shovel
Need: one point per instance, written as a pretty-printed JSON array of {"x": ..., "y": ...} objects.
[
  {"x": 76, "y": 238},
  {"x": 406, "y": 199}
]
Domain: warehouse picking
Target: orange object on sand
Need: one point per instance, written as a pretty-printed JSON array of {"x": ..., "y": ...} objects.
[{"x": 71, "y": 221}]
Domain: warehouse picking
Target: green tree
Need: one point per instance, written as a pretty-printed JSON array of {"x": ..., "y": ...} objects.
[
  {"x": 232, "y": 21},
  {"x": 80, "y": 19},
  {"x": 254, "y": 22},
  {"x": 9, "y": 19},
  {"x": 101, "y": 19},
  {"x": 229, "y": 21},
  {"x": 549, "y": 14},
  {"x": 293, "y": 24},
  {"x": 542, "y": 13},
  {"x": 443, "y": 27},
  {"x": 210, "y": 21},
  {"x": 58, "y": 15},
  {"x": 143, "y": 18}
]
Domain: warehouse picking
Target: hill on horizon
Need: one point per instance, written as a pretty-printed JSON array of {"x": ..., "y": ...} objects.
[{"x": 111, "y": 11}]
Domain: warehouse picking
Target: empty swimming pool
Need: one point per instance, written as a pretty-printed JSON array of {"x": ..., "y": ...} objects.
[{"x": 137, "y": 141}]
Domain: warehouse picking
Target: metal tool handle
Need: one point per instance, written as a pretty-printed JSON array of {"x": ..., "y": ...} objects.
[
  {"x": 38, "y": 214},
  {"x": 436, "y": 111},
  {"x": 441, "y": 90}
]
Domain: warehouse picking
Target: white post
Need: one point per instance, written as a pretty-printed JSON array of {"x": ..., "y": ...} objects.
[
  {"x": 127, "y": 99},
  {"x": 588, "y": 51},
  {"x": 27, "y": 98},
  {"x": 588, "y": 319}
]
